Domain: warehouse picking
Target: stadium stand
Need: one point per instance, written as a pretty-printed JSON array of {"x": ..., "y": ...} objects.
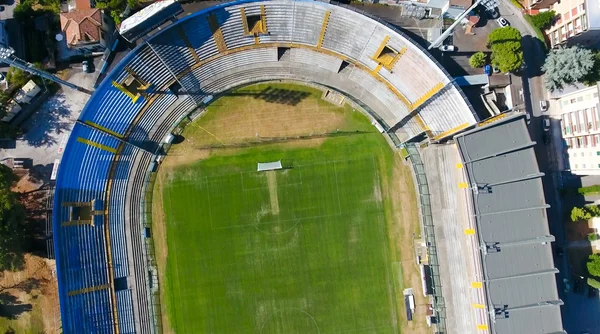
[
  {"x": 99, "y": 235},
  {"x": 505, "y": 188}
]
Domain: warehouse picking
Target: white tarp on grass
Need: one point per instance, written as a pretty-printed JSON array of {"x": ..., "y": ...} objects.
[{"x": 264, "y": 166}]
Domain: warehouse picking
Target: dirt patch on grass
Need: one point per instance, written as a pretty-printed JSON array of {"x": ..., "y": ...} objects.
[
  {"x": 251, "y": 119},
  {"x": 403, "y": 222},
  {"x": 272, "y": 183},
  {"x": 29, "y": 298}
]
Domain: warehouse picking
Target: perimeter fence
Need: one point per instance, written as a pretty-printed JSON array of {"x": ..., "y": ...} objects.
[{"x": 428, "y": 233}]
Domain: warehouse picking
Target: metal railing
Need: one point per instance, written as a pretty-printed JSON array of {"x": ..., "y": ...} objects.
[
  {"x": 153, "y": 287},
  {"x": 428, "y": 233}
]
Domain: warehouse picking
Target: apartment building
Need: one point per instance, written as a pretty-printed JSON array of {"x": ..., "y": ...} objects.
[
  {"x": 580, "y": 125},
  {"x": 578, "y": 23}
]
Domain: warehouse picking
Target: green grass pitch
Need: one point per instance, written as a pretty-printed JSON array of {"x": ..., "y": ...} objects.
[{"x": 300, "y": 250}]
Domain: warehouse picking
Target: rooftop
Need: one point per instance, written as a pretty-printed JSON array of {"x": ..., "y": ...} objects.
[
  {"x": 512, "y": 227},
  {"x": 81, "y": 25}
]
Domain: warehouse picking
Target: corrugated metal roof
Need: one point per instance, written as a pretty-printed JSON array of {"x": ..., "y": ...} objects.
[{"x": 512, "y": 228}]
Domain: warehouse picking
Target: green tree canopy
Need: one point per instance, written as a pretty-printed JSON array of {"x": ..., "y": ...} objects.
[
  {"x": 477, "y": 60},
  {"x": 593, "y": 283},
  {"x": 593, "y": 265},
  {"x": 543, "y": 20},
  {"x": 16, "y": 77},
  {"x": 505, "y": 44},
  {"x": 12, "y": 227},
  {"x": 565, "y": 66},
  {"x": 585, "y": 213},
  {"x": 593, "y": 75}
]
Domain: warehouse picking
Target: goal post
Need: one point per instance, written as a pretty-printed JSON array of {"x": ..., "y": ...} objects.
[{"x": 266, "y": 166}]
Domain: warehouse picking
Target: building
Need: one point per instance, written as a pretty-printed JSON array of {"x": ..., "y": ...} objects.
[
  {"x": 506, "y": 194},
  {"x": 533, "y": 6},
  {"x": 578, "y": 23},
  {"x": 580, "y": 126},
  {"x": 85, "y": 29}
]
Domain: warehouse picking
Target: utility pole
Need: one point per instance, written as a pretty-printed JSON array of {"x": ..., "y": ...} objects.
[{"x": 7, "y": 56}]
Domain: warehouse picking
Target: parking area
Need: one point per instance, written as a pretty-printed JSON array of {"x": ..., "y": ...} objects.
[
  {"x": 466, "y": 44},
  {"x": 47, "y": 130}
]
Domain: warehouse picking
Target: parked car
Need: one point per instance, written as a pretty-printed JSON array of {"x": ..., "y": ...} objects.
[
  {"x": 496, "y": 69},
  {"x": 544, "y": 105},
  {"x": 546, "y": 134},
  {"x": 502, "y": 22},
  {"x": 447, "y": 48},
  {"x": 487, "y": 69},
  {"x": 546, "y": 124},
  {"x": 493, "y": 13}
]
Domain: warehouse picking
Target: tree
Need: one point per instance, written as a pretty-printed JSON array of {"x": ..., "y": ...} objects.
[
  {"x": 592, "y": 236},
  {"x": 565, "y": 66},
  {"x": 585, "y": 213},
  {"x": 593, "y": 75},
  {"x": 505, "y": 44},
  {"x": 543, "y": 20},
  {"x": 594, "y": 210},
  {"x": 593, "y": 283},
  {"x": 16, "y": 77},
  {"x": 477, "y": 60},
  {"x": 593, "y": 265},
  {"x": 12, "y": 227}
]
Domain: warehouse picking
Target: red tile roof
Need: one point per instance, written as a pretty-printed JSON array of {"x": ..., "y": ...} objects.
[
  {"x": 83, "y": 4},
  {"x": 81, "y": 26}
]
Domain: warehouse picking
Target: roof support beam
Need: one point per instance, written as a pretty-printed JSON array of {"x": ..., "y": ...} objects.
[
  {"x": 537, "y": 305},
  {"x": 497, "y": 246},
  {"x": 524, "y": 178},
  {"x": 539, "y": 207},
  {"x": 510, "y": 150},
  {"x": 552, "y": 271}
]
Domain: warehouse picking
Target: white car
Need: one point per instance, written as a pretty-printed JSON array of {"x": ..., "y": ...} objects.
[
  {"x": 543, "y": 105},
  {"x": 502, "y": 22},
  {"x": 447, "y": 48}
]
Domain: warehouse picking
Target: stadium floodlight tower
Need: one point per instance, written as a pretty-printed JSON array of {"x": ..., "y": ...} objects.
[
  {"x": 7, "y": 56},
  {"x": 488, "y": 4}
]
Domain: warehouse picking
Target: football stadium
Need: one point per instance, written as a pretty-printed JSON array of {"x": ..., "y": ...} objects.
[{"x": 237, "y": 172}]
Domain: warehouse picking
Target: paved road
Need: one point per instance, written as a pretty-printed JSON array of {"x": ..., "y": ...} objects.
[{"x": 549, "y": 159}]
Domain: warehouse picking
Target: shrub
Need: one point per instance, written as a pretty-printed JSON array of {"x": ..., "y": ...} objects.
[
  {"x": 585, "y": 213},
  {"x": 505, "y": 44},
  {"x": 593, "y": 283},
  {"x": 16, "y": 77},
  {"x": 592, "y": 236},
  {"x": 477, "y": 60},
  {"x": 593, "y": 265},
  {"x": 589, "y": 190},
  {"x": 543, "y": 20}
]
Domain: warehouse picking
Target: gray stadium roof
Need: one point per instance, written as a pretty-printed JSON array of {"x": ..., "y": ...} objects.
[{"x": 510, "y": 213}]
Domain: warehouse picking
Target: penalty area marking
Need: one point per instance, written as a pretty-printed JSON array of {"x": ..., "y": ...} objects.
[{"x": 292, "y": 309}]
